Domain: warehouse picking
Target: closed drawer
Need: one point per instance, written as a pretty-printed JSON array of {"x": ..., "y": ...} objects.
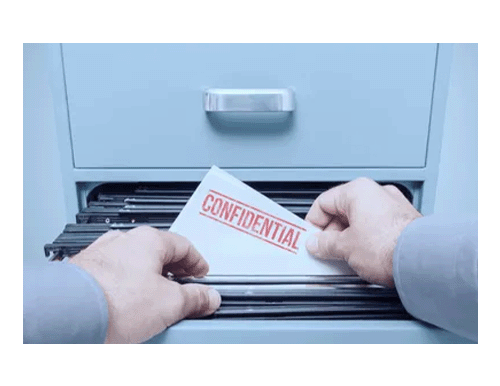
[{"x": 356, "y": 105}]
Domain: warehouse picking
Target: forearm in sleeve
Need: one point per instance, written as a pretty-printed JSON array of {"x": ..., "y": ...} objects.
[
  {"x": 63, "y": 304},
  {"x": 435, "y": 271}
]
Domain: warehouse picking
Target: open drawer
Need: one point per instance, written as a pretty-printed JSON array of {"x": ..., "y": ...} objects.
[{"x": 291, "y": 297}]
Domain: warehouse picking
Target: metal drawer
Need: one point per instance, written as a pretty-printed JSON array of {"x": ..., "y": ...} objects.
[{"x": 355, "y": 105}]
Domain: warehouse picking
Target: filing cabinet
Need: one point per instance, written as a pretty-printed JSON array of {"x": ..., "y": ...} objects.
[
  {"x": 356, "y": 105},
  {"x": 163, "y": 114}
]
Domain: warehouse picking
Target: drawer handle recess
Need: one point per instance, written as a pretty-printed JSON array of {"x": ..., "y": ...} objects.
[{"x": 248, "y": 100}]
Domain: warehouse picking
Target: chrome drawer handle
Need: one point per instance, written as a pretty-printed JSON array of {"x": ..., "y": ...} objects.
[{"x": 250, "y": 100}]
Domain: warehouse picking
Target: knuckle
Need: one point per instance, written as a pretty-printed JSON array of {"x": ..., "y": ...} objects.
[
  {"x": 148, "y": 245},
  {"x": 323, "y": 198},
  {"x": 143, "y": 229},
  {"x": 182, "y": 247},
  {"x": 391, "y": 188},
  {"x": 363, "y": 182},
  {"x": 115, "y": 233},
  {"x": 147, "y": 233},
  {"x": 396, "y": 193},
  {"x": 196, "y": 300},
  {"x": 204, "y": 301},
  {"x": 193, "y": 265}
]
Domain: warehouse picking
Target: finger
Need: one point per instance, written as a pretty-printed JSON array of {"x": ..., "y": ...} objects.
[
  {"x": 199, "y": 300},
  {"x": 336, "y": 225},
  {"x": 191, "y": 301},
  {"x": 184, "y": 256},
  {"x": 395, "y": 193},
  {"x": 317, "y": 216},
  {"x": 331, "y": 205},
  {"x": 175, "y": 270},
  {"x": 170, "y": 248},
  {"x": 329, "y": 245}
]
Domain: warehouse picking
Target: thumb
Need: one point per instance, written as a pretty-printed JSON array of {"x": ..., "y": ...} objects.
[
  {"x": 195, "y": 300},
  {"x": 328, "y": 245}
]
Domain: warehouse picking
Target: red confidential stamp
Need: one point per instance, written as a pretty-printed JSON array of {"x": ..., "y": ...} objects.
[{"x": 251, "y": 221}]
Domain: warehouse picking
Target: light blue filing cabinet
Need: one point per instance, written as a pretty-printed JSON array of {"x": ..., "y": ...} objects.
[{"x": 130, "y": 113}]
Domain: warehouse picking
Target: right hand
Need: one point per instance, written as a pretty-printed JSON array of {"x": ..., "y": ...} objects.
[{"x": 361, "y": 222}]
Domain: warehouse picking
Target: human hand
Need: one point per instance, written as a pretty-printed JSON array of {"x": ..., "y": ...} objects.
[
  {"x": 142, "y": 302},
  {"x": 361, "y": 222}
]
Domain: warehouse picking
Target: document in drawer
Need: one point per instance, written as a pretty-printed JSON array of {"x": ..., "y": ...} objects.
[{"x": 239, "y": 231}]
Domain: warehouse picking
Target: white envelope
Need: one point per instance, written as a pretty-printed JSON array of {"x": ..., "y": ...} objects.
[{"x": 241, "y": 232}]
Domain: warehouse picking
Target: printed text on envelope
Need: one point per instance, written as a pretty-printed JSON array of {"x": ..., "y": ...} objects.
[{"x": 251, "y": 221}]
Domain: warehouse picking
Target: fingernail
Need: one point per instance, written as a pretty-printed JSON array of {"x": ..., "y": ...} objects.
[
  {"x": 312, "y": 245},
  {"x": 214, "y": 299}
]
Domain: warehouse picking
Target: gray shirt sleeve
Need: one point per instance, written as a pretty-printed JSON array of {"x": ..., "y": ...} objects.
[
  {"x": 435, "y": 272},
  {"x": 63, "y": 304}
]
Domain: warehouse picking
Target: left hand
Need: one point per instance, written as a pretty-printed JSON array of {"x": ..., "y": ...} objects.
[{"x": 141, "y": 301}]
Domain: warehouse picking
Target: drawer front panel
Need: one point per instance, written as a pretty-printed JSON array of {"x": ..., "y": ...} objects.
[{"x": 356, "y": 105}]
